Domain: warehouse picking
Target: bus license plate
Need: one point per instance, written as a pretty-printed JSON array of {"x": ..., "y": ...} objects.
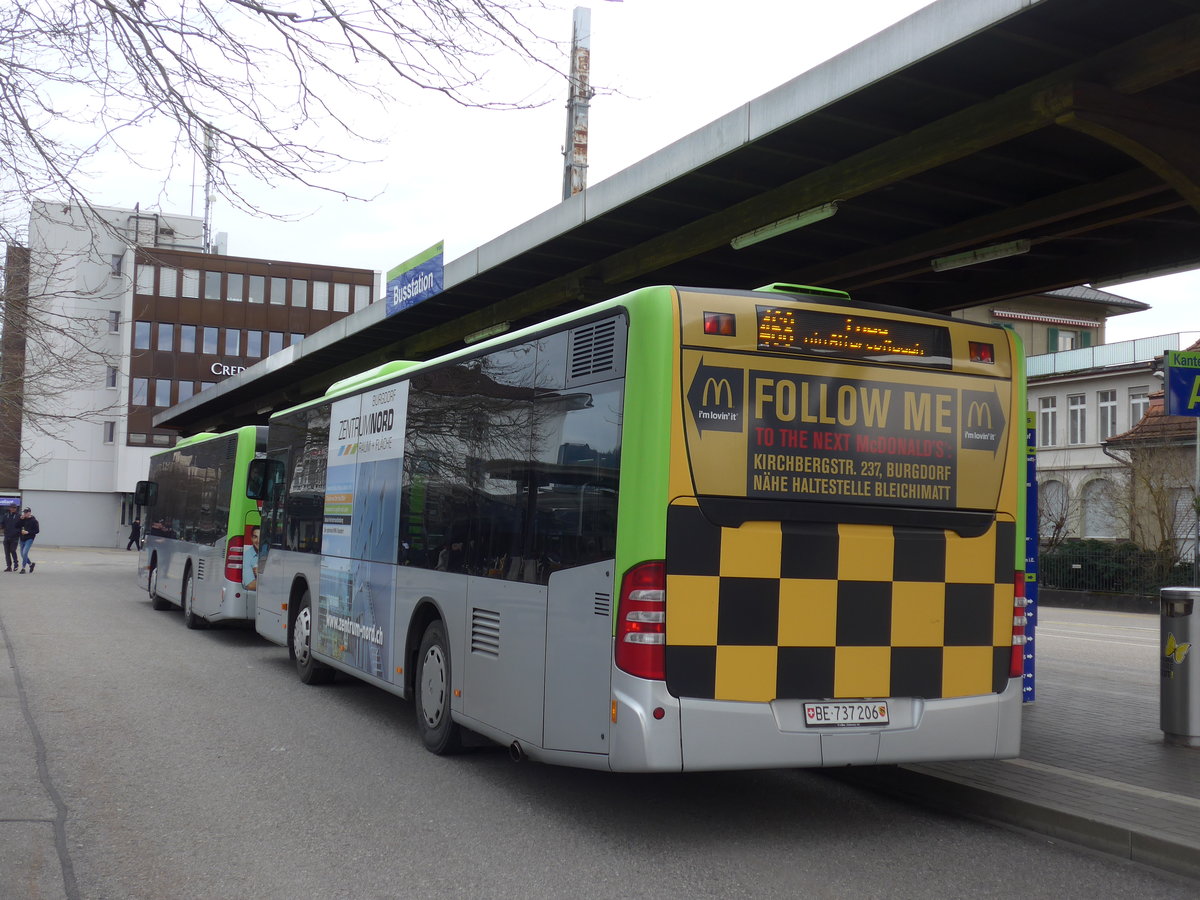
[{"x": 857, "y": 712}]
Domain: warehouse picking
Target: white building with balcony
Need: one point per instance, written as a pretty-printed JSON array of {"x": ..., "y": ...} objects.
[{"x": 1081, "y": 398}]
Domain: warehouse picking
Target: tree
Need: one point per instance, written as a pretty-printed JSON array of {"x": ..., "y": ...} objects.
[
  {"x": 1159, "y": 497},
  {"x": 254, "y": 88},
  {"x": 265, "y": 83}
]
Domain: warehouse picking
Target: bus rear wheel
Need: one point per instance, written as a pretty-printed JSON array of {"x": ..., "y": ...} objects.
[
  {"x": 156, "y": 602},
  {"x": 190, "y": 619},
  {"x": 438, "y": 731},
  {"x": 309, "y": 670}
]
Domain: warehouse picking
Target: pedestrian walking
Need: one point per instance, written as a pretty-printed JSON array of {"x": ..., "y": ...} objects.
[
  {"x": 29, "y": 530},
  {"x": 11, "y": 524},
  {"x": 135, "y": 535}
]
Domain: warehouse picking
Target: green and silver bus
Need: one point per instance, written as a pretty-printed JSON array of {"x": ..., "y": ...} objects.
[
  {"x": 200, "y": 529},
  {"x": 683, "y": 529}
]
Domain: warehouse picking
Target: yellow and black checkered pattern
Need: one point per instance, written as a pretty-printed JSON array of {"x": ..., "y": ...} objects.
[{"x": 776, "y": 610}]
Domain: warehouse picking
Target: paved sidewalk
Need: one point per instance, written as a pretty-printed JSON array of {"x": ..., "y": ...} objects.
[{"x": 1093, "y": 770}]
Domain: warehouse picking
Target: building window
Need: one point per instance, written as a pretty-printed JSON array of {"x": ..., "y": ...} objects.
[
  {"x": 296, "y": 338},
  {"x": 362, "y": 296},
  {"x": 1099, "y": 514},
  {"x": 210, "y": 340},
  {"x": 162, "y": 439},
  {"x": 205, "y": 385},
  {"x": 167, "y": 279},
  {"x": 116, "y": 262},
  {"x": 114, "y": 322},
  {"x": 162, "y": 391},
  {"x": 258, "y": 288},
  {"x": 233, "y": 342},
  {"x": 186, "y": 390},
  {"x": 110, "y": 432},
  {"x": 1047, "y": 421},
  {"x": 274, "y": 342},
  {"x": 1077, "y": 418},
  {"x": 278, "y": 291},
  {"x": 145, "y": 279},
  {"x": 341, "y": 298},
  {"x": 187, "y": 338},
  {"x": 191, "y": 283},
  {"x": 166, "y": 336},
  {"x": 299, "y": 292},
  {"x": 254, "y": 343},
  {"x": 212, "y": 285},
  {"x": 320, "y": 295},
  {"x": 1106, "y": 402},
  {"x": 110, "y": 377},
  {"x": 141, "y": 335},
  {"x": 1063, "y": 340},
  {"x": 140, "y": 393},
  {"x": 1139, "y": 402},
  {"x": 136, "y": 437},
  {"x": 233, "y": 287}
]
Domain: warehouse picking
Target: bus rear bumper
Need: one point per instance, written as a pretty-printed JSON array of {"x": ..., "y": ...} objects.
[{"x": 731, "y": 735}]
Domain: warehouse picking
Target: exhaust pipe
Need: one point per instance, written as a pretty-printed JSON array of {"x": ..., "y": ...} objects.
[{"x": 515, "y": 751}]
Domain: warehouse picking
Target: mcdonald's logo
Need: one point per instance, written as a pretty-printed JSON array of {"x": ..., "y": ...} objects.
[
  {"x": 983, "y": 421},
  {"x": 979, "y": 415},
  {"x": 716, "y": 395},
  {"x": 720, "y": 388}
]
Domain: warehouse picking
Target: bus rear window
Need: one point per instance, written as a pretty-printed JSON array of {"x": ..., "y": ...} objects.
[{"x": 849, "y": 336}]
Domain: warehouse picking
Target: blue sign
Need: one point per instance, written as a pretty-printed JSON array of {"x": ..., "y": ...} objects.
[
  {"x": 1028, "y": 683},
  {"x": 415, "y": 280},
  {"x": 1182, "y": 382}
]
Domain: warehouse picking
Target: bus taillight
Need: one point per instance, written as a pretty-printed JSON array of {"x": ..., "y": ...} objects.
[
  {"x": 642, "y": 621},
  {"x": 1016, "y": 662},
  {"x": 233, "y": 559}
]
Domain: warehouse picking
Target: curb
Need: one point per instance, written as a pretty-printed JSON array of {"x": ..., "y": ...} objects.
[{"x": 944, "y": 794}]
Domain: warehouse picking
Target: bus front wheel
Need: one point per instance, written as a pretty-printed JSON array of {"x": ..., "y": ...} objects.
[
  {"x": 309, "y": 670},
  {"x": 432, "y": 701},
  {"x": 156, "y": 602}
]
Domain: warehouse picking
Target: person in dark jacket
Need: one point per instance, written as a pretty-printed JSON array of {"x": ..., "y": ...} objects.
[
  {"x": 11, "y": 523},
  {"x": 135, "y": 534},
  {"x": 29, "y": 530}
]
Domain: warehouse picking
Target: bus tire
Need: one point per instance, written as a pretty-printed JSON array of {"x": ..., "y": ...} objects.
[
  {"x": 300, "y": 646},
  {"x": 440, "y": 734},
  {"x": 186, "y": 599},
  {"x": 156, "y": 602}
]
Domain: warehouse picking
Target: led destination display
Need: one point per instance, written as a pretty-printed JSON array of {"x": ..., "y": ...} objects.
[{"x": 845, "y": 336}]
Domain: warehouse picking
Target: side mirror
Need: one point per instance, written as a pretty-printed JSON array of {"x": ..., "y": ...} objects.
[
  {"x": 146, "y": 493},
  {"x": 262, "y": 478}
]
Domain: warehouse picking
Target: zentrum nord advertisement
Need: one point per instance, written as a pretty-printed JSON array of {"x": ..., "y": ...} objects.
[{"x": 362, "y": 512}]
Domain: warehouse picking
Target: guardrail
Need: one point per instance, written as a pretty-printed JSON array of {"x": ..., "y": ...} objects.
[{"x": 1119, "y": 354}]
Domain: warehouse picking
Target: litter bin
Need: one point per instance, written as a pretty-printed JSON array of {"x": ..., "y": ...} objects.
[{"x": 1180, "y": 683}]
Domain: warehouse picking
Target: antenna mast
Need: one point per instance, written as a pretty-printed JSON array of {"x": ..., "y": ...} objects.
[
  {"x": 210, "y": 153},
  {"x": 575, "y": 149}
]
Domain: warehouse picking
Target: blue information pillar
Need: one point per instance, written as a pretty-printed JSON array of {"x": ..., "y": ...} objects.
[
  {"x": 1181, "y": 383},
  {"x": 1031, "y": 554}
]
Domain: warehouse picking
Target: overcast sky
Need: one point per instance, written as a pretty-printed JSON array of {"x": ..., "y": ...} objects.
[{"x": 664, "y": 68}]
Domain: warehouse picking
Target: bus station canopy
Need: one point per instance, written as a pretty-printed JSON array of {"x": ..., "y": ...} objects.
[{"x": 977, "y": 151}]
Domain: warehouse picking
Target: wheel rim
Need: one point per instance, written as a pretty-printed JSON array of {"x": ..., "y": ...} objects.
[
  {"x": 433, "y": 686},
  {"x": 301, "y": 633}
]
